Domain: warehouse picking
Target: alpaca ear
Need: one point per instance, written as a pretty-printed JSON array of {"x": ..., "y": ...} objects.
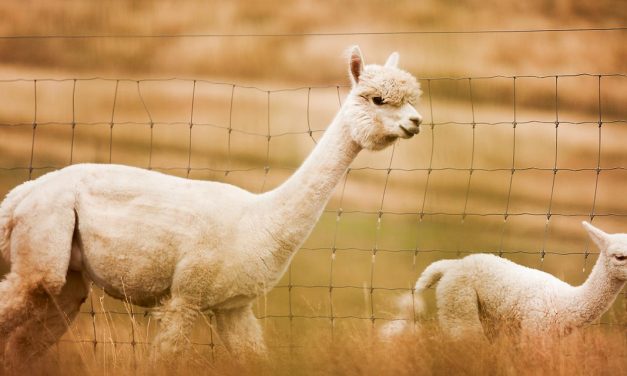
[
  {"x": 355, "y": 64},
  {"x": 599, "y": 237},
  {"x": 392, "y": 61}
]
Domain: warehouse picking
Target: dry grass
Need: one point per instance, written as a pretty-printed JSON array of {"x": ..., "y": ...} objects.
[{"x": 592, "y": 351}]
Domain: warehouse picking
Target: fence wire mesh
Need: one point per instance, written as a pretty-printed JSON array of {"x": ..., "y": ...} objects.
[{"x": 505, "y": 164}]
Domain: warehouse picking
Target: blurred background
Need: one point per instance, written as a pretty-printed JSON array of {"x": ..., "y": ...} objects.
[{"x": 523, "y": 138}]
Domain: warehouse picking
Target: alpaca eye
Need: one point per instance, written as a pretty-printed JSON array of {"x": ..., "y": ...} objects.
[
  {"x": 377, "y": 100},
  {"x": 620, "y": 257}
]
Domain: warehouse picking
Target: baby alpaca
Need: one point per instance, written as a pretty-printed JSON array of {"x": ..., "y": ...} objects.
[
  {"x": 182, "y": 245},
  {"x": 481, "y": 294}
]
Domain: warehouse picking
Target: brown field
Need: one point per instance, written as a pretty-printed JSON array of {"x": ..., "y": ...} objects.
[
  {"x": 397, "y": 211},
  {"x": 594, "y": 351}
]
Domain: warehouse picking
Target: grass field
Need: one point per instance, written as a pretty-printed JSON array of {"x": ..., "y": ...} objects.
[
  {"x": 513, "y": 184},
  {"x": 594, "y": 351}
]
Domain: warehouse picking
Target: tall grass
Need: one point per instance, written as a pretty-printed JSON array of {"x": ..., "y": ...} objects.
[{"x": 596, "y": 350}]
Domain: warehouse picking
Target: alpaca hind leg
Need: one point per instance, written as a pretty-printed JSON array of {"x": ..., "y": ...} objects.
[
  {"x": 40, "y": 254},
  {"x": 458, "y": 312},
  {"x": 18, "y": 301},
  {"x": 34, "y": 337},
  {"x": 240, "y": 331}
]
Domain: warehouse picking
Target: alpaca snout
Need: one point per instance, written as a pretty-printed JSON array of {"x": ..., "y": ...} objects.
[
  {"x": 416, "y": 120},
  {"x": 412, "y": 127}
]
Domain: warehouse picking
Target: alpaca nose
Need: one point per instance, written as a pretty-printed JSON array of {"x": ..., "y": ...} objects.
[{"x": 417, "y": 120}]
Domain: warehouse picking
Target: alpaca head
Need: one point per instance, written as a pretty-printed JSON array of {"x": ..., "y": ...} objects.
[
  {"x": 381, "y": 104},
  {"x": 613, "y": 248}
]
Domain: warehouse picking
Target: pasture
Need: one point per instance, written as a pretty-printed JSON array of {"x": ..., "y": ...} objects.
[{"x": 517, "y": 147}]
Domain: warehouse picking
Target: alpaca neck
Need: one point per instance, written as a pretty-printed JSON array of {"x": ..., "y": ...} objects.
[
  {"x": 590, "y": 300},
  {"x": 294, "y": 207}
]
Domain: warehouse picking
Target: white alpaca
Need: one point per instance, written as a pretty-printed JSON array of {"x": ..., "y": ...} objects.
[
  {"x": 183, "y": 244},
  {"x": 483, "y": 294}
]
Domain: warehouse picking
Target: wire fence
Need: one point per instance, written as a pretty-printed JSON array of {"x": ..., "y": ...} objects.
[{"x": 504, "y": 164}]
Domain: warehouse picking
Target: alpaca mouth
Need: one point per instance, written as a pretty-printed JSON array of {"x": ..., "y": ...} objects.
[{"x": 409, "y": 133}]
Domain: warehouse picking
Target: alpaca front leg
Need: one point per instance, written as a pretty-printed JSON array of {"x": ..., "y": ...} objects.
[
  {"x": 240, "y": 332},
  {"x": 177, "y": 317}
]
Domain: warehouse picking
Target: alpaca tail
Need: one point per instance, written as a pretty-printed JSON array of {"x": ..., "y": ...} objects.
[
  {"x": 7, "y": 209},
  {"x": 432, "y": 274},
  {"x": 411, "y": 310}
]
